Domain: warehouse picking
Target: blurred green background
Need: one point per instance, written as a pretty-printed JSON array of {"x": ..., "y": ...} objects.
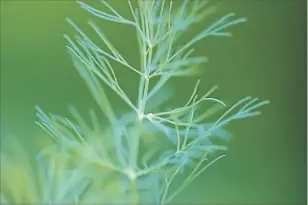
[{"x": 266, "y": 58}]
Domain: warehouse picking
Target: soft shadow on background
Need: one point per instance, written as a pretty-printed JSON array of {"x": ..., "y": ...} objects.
[{"x": 266, "y": 58}]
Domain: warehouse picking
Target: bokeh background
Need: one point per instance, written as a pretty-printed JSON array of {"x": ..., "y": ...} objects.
[{"x": 266, "y": 58}]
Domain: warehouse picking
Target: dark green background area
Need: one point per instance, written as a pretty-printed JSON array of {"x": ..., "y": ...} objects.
[{"x": 266, "y": 58}]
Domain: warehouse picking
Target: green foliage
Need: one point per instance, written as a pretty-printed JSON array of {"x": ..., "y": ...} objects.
[{"x": 105, "y": 162}]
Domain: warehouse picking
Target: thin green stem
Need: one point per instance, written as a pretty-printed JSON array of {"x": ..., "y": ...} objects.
[{"x": 134, "y": 192}]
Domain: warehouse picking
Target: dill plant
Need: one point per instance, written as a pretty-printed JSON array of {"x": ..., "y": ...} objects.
[{"x": 92, "y": 163}]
